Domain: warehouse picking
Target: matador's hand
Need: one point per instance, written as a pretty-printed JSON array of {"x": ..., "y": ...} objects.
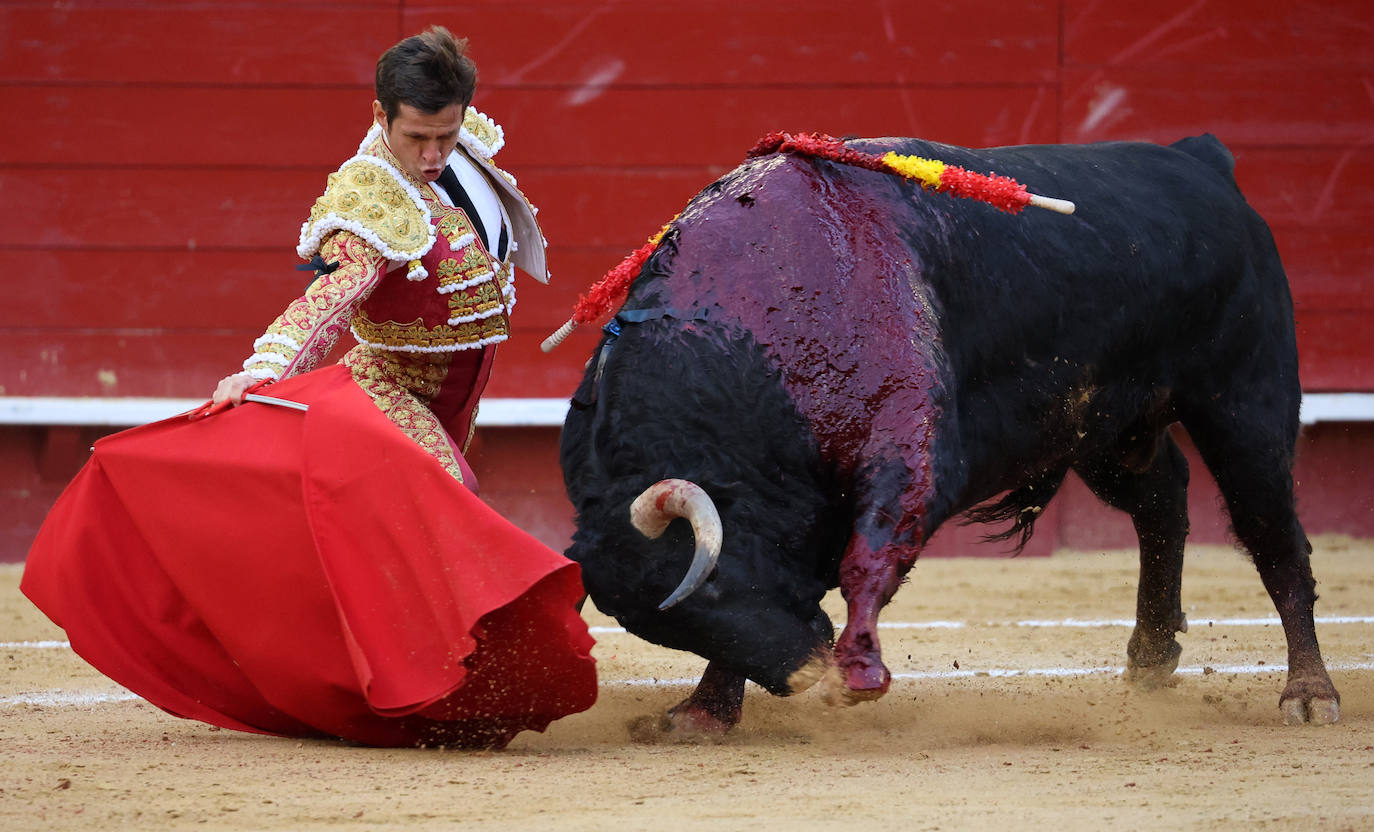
[{"x": 232, "y": 388}]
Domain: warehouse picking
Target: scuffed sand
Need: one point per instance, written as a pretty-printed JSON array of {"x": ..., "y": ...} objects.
[{"x": 1057, "y": 751}]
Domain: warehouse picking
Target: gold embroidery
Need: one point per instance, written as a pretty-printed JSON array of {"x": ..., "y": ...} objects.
[
  {"x": 390, "y": 335},
  {"x": 472, "y": 427},
  {"x": 470, "y": 263},
  {"x": 455, "y": 227},
  {"x": 484, "y": 131},
  {"x": 480, "y": 300},
  {"x": 402, "y": 385},
  {"x": 308, "y": 329},
  {"x": 366, "y": 198}
]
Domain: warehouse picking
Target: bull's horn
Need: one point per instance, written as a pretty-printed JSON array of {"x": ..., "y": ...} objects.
[{"x": 659, "y": 505}]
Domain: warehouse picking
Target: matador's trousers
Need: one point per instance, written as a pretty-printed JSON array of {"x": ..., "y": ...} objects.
[{"x": 431, "y": 396}]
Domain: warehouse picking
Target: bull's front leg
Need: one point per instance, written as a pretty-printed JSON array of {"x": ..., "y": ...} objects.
[
  {"x": 869, "y": 577},
  {"x": 887, "y": 539},
  {"x": 711, "y": 711}
]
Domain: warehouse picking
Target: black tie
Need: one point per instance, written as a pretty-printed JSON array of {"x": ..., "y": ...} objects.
[{"x": 448, "y": 180}]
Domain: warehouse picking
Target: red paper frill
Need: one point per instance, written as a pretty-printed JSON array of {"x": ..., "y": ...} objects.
[
  {"x": 609, "y": 292},
  {"x": 1001, "y": 192}
]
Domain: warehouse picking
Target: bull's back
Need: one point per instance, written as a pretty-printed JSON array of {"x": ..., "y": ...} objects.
[{"x": 1162, "y": 261}]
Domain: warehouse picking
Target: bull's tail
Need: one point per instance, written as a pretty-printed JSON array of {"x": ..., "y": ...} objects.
[
  {"x": 1209, "y": 150},
  {"x": 1022, "y": 507}
]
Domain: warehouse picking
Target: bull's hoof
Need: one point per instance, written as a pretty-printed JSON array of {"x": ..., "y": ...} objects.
[
  {"x": 862, "y": 680},
  {"x": 1310, "y": 698},
  {"x": 1315, "y": 711},
  {"x": 1155, "y": 675},
  {"x": 682, "y": 724}
]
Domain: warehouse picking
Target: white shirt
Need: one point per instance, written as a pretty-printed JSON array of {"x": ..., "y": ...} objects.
[{"x": 480, "y": 191}]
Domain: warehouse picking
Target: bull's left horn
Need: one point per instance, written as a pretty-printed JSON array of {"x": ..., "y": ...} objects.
[{"x": 666, "y": 500}]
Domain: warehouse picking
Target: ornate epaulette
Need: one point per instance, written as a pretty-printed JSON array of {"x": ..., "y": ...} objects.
[
  {"x": 481, "y": 135},
  {"x": 369, "y": 197}
]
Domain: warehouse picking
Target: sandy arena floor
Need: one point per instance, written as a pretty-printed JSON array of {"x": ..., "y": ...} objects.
[{"x": 993, "y": 722}]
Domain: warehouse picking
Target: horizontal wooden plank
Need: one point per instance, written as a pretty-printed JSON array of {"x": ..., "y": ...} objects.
[
  {"x": 224, "y": 291},
  {"x": 264, "y": 209},
  {"x": 195, "y": 126},
  {"x": 1334, "y": 354},
  {"x": 242, "y": 291},
  {"x": 1334, "y": 351},
  {"x": 176, "y": 290},
  {"x": 190, "y": 43},
  {"x": 589, "y": 44},
  {"x": 84, "y": 364},
  {"x": 180, "y": 364},
  {"x": 1318, "y": 188},
  {"x": 1243, "y": 107},
  {"x": 185, "y": 126},
  {"x": 1328, "y": 268},
  {"x": 571, "y": 43},
  {"x": 635, "y": 128},
  {"x": 1219, "y": 33},
  {"x": 131, "y": 208}
]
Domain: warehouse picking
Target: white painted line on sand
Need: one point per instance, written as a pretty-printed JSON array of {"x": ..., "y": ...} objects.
[
  {"x": 58, "y": 698},
  {"x": 1272, "y": 621},
  {"x": 1053, "y": 672},
  {"x": 1088, "y": 623},
  {"x": 34, "y": 645}
]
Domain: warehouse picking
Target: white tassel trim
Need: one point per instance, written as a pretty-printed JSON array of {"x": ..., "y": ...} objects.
[
  {"x": 268, "y": 358},
  {"x": 265, "y": 372},
  {"x": 474, "y": 144},
  {"x": 481, "y": 278},
  {"x": 332, "y": 222},
  {"x": 275, "y": 338},
  {"x": 417, "y": 272},
  {"x": 467, "y": 319},
  {"x": 467, "y": 284},
  {"x": 372, "y": 133}
]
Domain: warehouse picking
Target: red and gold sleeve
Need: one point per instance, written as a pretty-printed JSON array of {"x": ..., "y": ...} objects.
[{"x": 305, "y": 333}]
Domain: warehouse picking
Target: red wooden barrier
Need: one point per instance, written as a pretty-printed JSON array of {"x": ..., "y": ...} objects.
[
  {"x": 803, "y": 44},
  {"x": 288, "y": 42},
  {"x": 166, "y": 155}
]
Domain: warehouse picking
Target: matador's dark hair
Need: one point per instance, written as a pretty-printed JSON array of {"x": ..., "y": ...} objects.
[{"x": 428, "y": 71}]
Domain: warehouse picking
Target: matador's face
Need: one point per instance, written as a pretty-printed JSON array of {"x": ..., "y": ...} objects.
[{"x": 421, "y": 141}]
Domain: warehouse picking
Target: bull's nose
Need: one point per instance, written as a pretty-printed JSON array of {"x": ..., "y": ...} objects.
[{"x": 811, "y": 672}]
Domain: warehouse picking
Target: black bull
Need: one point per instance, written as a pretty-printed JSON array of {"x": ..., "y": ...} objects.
[{"x": 843, "y": 361}]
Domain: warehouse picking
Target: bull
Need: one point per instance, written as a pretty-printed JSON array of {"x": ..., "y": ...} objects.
[{"x": 820, "y": 364}]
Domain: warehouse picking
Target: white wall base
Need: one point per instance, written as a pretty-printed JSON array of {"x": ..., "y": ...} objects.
[{"x": 129, "y": 411}]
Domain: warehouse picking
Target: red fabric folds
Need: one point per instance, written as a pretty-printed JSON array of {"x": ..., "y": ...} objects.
[{"x": 310, "y": 574}]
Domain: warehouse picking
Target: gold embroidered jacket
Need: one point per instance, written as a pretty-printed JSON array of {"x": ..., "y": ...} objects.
[{"x": 412, "y": 276}]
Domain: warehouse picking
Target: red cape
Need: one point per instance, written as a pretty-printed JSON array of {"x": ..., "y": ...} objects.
[{"x": 310, "y": 574}]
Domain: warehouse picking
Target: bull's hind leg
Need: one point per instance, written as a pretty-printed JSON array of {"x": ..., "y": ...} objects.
[
  {"x": 1249, "y": 450},
  {"x": 1154, "y": 493}
]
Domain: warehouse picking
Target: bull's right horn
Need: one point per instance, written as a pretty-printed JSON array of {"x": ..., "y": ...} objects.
[{"x": 666, "y": 500}]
